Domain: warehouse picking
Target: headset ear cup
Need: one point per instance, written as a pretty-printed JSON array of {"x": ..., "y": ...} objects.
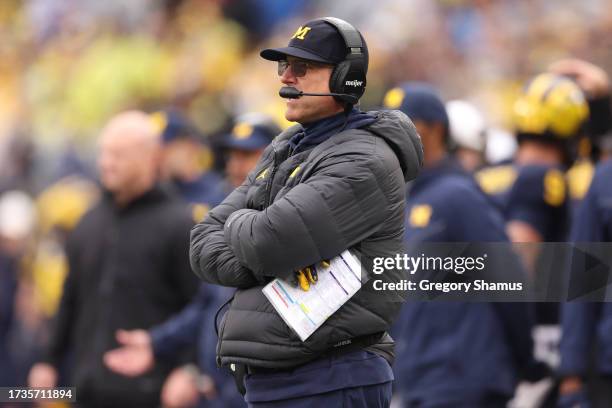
[
  {"x": 336, "y": 80},
  {"x": 349, "y": 76}
]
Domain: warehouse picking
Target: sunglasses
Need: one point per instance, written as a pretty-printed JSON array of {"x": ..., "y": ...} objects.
[{"x": 298, "y": 68}]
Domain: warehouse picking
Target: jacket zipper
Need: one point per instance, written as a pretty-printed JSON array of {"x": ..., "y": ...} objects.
[
  {"x": 220, "y": 330},
  {"x": 271, "y": 179}
]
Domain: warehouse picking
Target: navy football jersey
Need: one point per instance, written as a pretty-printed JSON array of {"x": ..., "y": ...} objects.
[
  {"x": 594, "y": 217},
  {"x": 430, "y": 218},
  {"x": 589, "y": 323},
  {"x": 579, "y": 178},
  {"x": 534, "y": 194},
  {"x": 446, "y": 205}
]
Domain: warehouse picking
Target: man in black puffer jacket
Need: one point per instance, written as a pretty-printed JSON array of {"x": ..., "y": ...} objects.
[
  {"x": 127, "y": 269},
  {"x": 334, "y": 182}
]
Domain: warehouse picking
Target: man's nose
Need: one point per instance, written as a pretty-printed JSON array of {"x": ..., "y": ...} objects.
[{"x": 288, "y": 78}]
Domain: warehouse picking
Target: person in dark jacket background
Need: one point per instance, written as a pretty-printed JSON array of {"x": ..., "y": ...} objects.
[
  {"x": 453, "y": 354},
  {"x": 335, "y": 181},
  {"x": 128, "y": 268},
  {"x": 195, "y": 323}
]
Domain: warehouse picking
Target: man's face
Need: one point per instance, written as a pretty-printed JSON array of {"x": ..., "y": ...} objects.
[
  {"x": 178, "y": 157},
  {"x": 316, "y": 80},
  {"x": 122, "y": 161},
  {"x": 240, "y": 163},
  {"x": 432, "y": 137},
  {"x": 470, "y": 159}
]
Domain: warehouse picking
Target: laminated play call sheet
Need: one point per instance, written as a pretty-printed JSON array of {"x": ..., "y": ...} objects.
[{"x": 304, "y": 311}]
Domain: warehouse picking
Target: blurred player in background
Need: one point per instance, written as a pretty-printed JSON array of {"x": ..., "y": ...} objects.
[
  {"x": 468, "y": 134},
  {"x": 586, "y": 343},
  {"x": 440, "y": 361},
  {"x": 595, "y": 83},
  {"x": 187, "y": 161},
  {"x": 549, "y": 117},
  {"x": 532, "y": 191},
  {"x": 587, "y": 326}
]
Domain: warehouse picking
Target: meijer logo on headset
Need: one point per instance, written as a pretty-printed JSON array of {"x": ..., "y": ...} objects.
[{"x": 354, "y": 83}]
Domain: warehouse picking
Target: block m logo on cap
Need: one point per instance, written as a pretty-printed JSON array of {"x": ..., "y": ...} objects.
[{"x": 300, "y": 33}]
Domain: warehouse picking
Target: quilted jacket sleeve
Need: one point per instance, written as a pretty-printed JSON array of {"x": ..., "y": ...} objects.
[
  {"x": 211, "y": 258},
  {"x": 341, "y": 203}
]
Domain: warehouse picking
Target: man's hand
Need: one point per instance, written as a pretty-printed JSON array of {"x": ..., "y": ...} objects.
[
  {"x": 135, "y": 357},
  {"x": 42, "y": 375},
  {"x": 570, "y": 385},
  {"x": 590, "y": 78},
  {"x": 180, "y": 390},
  {"x": 572, "y": 394}
]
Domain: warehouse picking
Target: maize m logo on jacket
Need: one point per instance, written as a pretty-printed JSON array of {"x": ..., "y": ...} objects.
[
  {"x": 353, "y": 83},
  {"x": 300, "y": 33}
]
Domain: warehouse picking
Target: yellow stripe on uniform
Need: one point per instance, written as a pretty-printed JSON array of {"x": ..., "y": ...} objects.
[
  {"x": 497, "y": 179},
  {"x": 554, "y": 188},
  {"x": 579, "y": 178}
]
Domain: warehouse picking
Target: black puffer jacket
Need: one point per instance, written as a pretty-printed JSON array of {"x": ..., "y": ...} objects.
[
  {"x": 295, "y": 210},
  {"x": 128, "y": 269}
]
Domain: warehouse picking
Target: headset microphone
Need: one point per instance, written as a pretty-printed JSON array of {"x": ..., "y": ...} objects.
[{"x": 289, "y": 92}]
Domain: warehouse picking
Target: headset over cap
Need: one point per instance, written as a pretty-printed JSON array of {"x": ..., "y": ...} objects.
[{"x": 331, "y": 41}]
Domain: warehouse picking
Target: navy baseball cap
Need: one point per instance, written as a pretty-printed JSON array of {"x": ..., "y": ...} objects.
[
  {"x": 316, "y": 40},
  {"x": 252, "y": 132},
  {"x": 172, "y": 125},
  {"x": 418, "y": 100}
]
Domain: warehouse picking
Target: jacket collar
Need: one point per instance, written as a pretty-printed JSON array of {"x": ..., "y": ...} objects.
[
  {"x": 319, "y": 131},
  {"x": 446, "y": 166},
  {"x": 155, "y": 194}
]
